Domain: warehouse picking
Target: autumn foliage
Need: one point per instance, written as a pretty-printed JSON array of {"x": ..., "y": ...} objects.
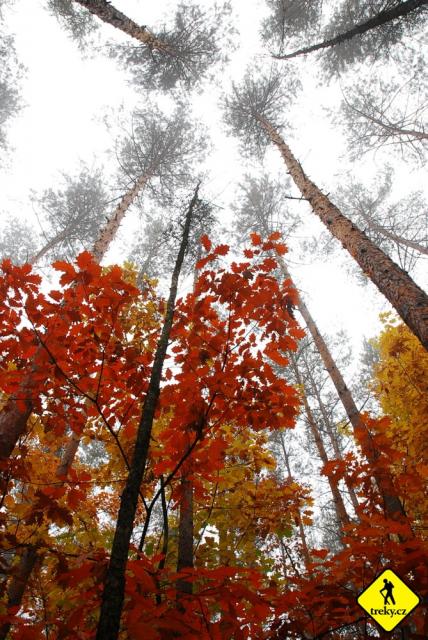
[{"x": 85, "y": 350}]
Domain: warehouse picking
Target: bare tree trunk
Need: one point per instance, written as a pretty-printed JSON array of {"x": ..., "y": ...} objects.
[
  {"x": 339, "y": 506},
  {"x": 302, "y": 534},
  {"x": 333, "y": 439},
  {"x": 13, "y": 419},
  {"x": 392, "y": 503},
  {"x": 185, "y": 534},
  {"x": 106, "y": 12},
  {"x": 49, "y": 245},
  {"x": 108, "y": 233},
  {"x": 383, "y": 17},
  {"x": 409, "y": 300},
  {"x": 393, "y": 236},
  {"x": 114, "y": 586}
]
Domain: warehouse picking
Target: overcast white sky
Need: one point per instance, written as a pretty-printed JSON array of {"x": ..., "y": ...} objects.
[{"x": 66, "y": 96}]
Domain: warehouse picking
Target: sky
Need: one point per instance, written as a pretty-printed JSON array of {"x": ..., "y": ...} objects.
[{"x": 66, "y": 95}]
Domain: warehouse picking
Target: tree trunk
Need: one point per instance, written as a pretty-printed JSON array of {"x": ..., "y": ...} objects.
[
  {"x": 114, "y": 587},
  {"x": 19, "y": 580},
  {"x": 185, "y": 534},
  {"x": 333, "y": 439},
  {"x": 409, "y": 300},
  {"x": 68, "y": 455},
  {"x": 383, "y": 17},
  {"x": 108, "y": 233},
  {"x": 106, "y": 12},
  {"x": 62, "y": 235},
  {"x": 392, "y": 503},
  {"x": 16, "y": 588},
  {"x": 339, "y": 506},
  {"x": 393, "y": 236},
  {"x": 13, "y": 420},
  {"x": 302, "y": 534},
  {"x": 393, "y": 129}
]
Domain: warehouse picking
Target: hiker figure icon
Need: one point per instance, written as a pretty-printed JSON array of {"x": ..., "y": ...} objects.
[{"x": 388, "y": 592}]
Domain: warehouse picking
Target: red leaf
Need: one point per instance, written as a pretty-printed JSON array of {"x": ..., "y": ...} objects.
[
  {"x": 84, "y": 260},
  {"x": 66, "y": 267},
  {"x": 206, "y": 242},
  {"x": 255, "y": 239},
  {"x": 221, "y": 250}
]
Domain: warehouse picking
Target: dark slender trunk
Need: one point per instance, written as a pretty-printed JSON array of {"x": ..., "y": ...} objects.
[
  {"x": 409, "y": 300},
  {"x": 13, "y": 419},
  {"x": 165, "y": 532},
  {"x": 383, "y": 17},
  {"x": 114, "y": 587},
  {"x": 185, "y": 534},
  {"x": 106, "y": 12}
]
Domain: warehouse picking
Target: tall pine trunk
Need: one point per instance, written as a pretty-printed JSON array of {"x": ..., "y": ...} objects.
[
  {"x": 339, "y": 506},
  {"x": 409, "y": 300},
  {"x": 106, "y": 12},
  {"x": 13, "y": 419},
  {"x": 381, "y": 18},
  {"x": 305, "y": 549},
  {"x": 332, "y": 434},
  {"x": 392, "y": 503},
  {"x": 114, "y": 586}
]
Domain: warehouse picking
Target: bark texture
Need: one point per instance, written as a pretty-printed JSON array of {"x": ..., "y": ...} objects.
[
  {"x": 409, "y": 300},
  {"x": 106, "y": 12},
  {"x": 383, "y": 17},
  {"x": 108, "y": 233},
  {"x": 114, "y": 587}
]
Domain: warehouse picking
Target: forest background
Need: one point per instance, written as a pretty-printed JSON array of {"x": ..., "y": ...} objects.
[{"x": 97, "y": 105}]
